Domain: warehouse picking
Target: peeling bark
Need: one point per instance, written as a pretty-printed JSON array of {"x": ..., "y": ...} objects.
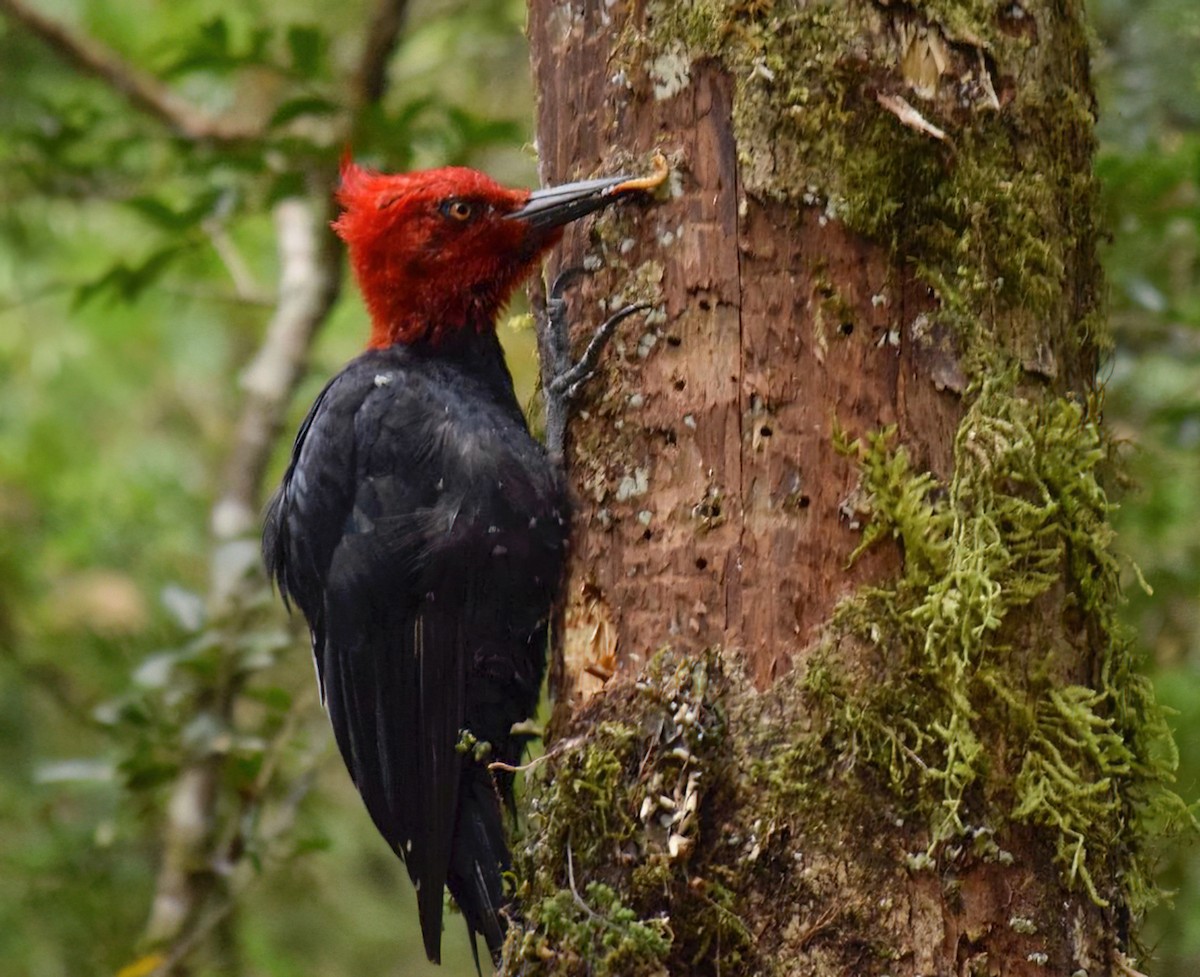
[{"x": 715, "y": 510}]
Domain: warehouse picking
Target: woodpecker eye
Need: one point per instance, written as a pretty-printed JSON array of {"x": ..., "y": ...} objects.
[{"x": 459, "y": 210}]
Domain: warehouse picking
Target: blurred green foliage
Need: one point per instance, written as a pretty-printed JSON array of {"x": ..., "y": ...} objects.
[
  {"x": 137, "y": 271},
  {"x": 1148, "y": 78}
]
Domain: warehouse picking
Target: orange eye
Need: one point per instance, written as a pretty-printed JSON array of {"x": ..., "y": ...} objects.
[{"x": 459, "y": 210}]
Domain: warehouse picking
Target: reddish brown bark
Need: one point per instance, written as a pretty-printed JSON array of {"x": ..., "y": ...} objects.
[{"x": 780, "y": 324}]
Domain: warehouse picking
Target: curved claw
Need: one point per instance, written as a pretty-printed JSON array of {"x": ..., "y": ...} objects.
[
  {"x": 569, "y": 383},
  {"x": 564, "y": 280},
  {"x": 562, "y": 380}
]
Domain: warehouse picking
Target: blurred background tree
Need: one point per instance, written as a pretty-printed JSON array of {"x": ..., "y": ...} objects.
[
  {"x": 144, "y": 233},
  {"x": 1147, "y": 67}
]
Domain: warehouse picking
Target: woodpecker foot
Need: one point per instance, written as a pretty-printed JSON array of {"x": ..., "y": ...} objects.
[{"x": 563, "y": 378}]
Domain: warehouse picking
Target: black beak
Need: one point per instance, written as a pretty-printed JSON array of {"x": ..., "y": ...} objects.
[{"x": 555, "y": 206}]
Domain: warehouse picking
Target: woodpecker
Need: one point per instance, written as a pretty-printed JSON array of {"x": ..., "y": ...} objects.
[{"x": 420, "y": 528}]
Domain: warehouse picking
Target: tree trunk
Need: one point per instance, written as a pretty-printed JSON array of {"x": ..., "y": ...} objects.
[{"x": 840, "y": 561}]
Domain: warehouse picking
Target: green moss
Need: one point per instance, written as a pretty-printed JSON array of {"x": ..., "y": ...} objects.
[
  {"x": 960, "y": 18},
  {"x": 1019, "y": 533},
  {"x": 997, "y": 216},
  {"x": 617, "y": 835},
  {"x": 582, "y": 807},
  {"x": 595, "y": 933},
  {"x": 649, "y": 837}
]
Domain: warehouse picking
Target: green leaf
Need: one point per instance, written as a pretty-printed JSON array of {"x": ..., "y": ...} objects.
[
  {"x": 273, "y": 697},
  {"x": 208, "y": 50},
  {"x": 289, "y": 184},
  {"x": 124, "y": 282},
  {"x": 142, "y": 773},
  {"x": 215, "y": 34},
  {"x": 169, "y": 218},
  {"x": 306, "y": 46},
  {"x": 311, "y": 844},
  {"x": 211, "y": 50},
  {"x": 304, "y": 105}
]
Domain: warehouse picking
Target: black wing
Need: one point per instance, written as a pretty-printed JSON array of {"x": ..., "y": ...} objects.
[{"x": 418, "y": 531}]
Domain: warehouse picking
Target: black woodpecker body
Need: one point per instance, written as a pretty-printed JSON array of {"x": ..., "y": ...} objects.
[{"x": 421, "y": 530}]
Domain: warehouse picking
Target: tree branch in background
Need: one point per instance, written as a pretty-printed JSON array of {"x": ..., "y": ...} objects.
[
  {"x": 141, "y": 89},
  {"x": 194, "y": 894},
  {"x": 383, "y": 33},
  {"x": 246, "y": 288},
  {"x": 191, "y": 898},
  {"x": 310, "y": 275},
  {"x": 309, "y": 280}
]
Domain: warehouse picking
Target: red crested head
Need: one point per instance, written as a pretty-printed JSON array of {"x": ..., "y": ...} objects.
[
  {"x": 438, "y": 251},
  {"x": 431, "y": 250}
]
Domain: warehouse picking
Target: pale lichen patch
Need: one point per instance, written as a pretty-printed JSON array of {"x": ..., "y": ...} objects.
[
  {"x": 670, "y": 71},
  {"x": 633, "y": 485}
]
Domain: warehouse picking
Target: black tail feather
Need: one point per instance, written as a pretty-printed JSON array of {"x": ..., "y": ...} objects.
[
  {"x": 429, "y": 909},
  {"x": 480, "y": 858}
]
